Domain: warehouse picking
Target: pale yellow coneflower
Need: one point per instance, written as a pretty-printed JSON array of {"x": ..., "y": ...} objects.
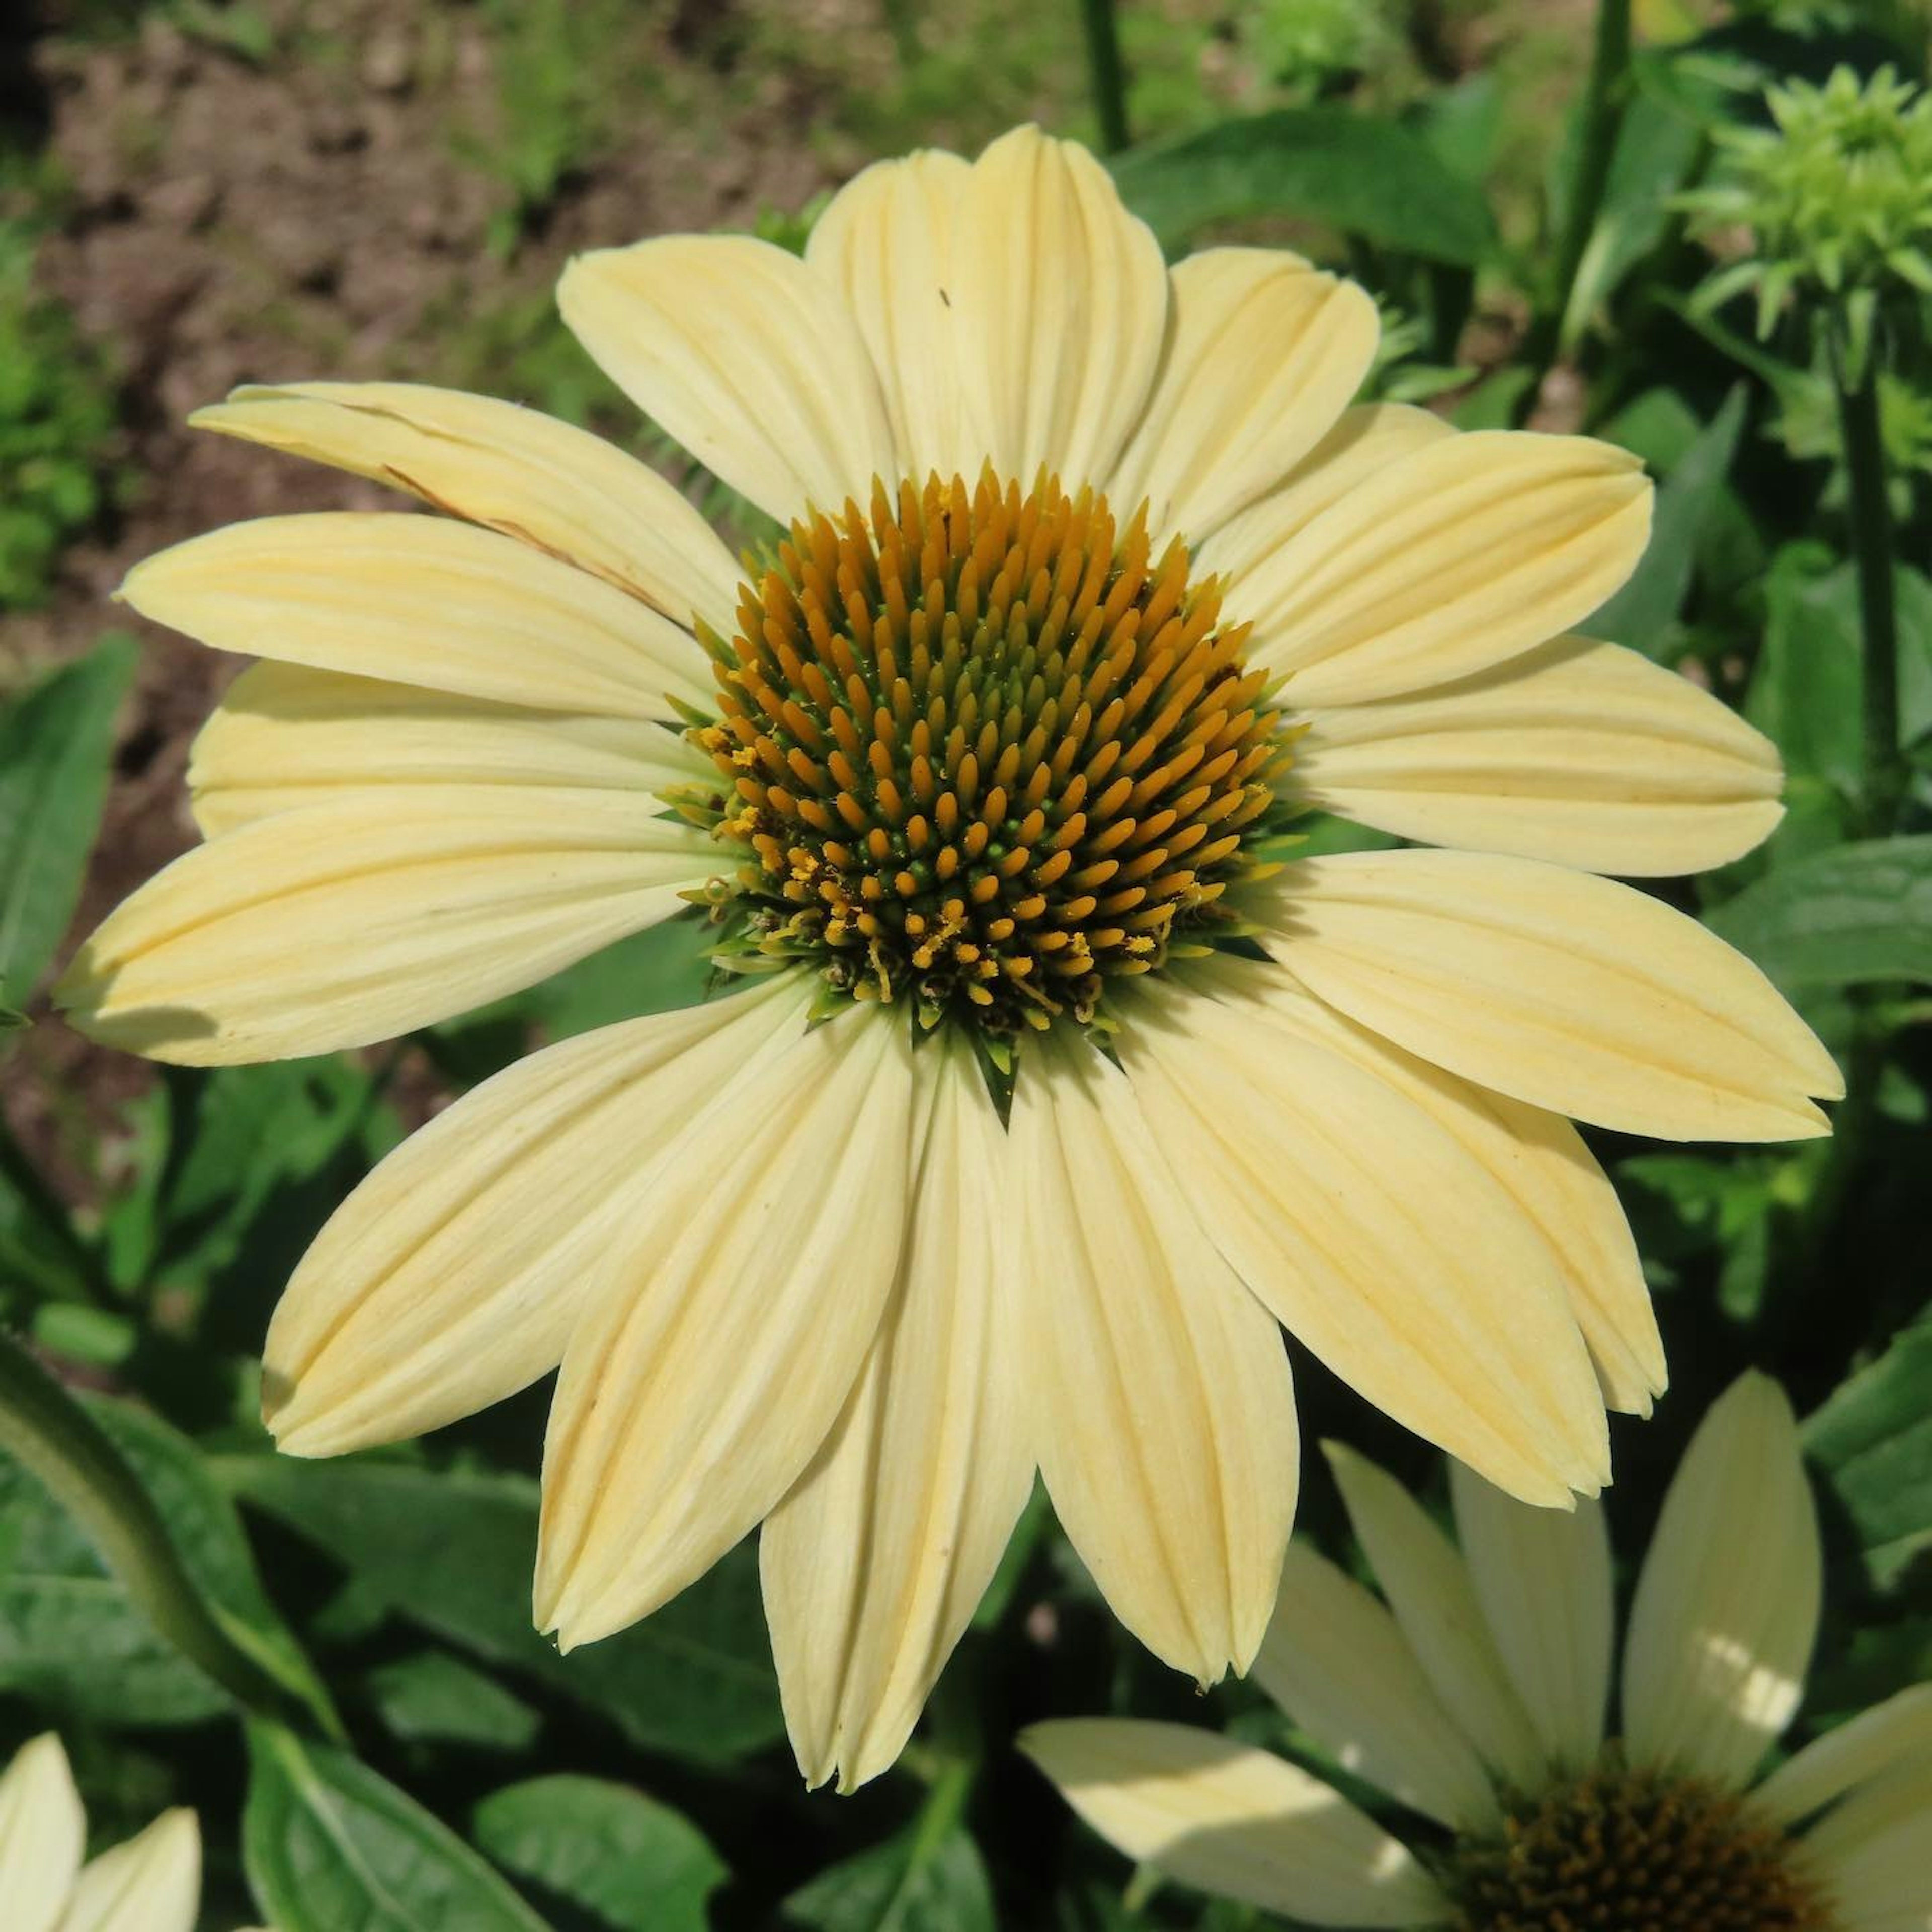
[
  {"x": 1094, "y": 581},
  {"x": 1476, "y": 1697},
  {"x": 151, "y": 1884}
]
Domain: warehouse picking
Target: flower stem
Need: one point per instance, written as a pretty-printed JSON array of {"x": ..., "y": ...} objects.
[
  {"x": 1109, "y": 78},
  {"x": 1882, "y": 771}
]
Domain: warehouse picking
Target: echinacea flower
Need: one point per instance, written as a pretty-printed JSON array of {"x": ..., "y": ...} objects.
[
  {"x": 1093, "y": 582},
  {"x": 151, "y": 1884},
  {"x": 1476, "y": 1695}
]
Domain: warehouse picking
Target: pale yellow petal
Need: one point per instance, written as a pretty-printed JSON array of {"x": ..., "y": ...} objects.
[
  {"x": 1337, "y": 1663},
  {"x": 1869, "y": 1745},
  {"x": 1444, "y": 562},
  {"x": 151, "y": 1884},
  {"x": 1584, "y": 754},
  {"x": 873, "y": 1565},
  {"x": 886, "y": 242},
  {"x": 1542, "y": 1577},
  {"x": 517, "y": 470},
  {"x": 728, "y": 1328},
  {"x": 1727, "y": 1603},
  {"x": 1572, "y": 993},
  {"x": 1869, "y": 1855},
  {"x": 1166, "y": 1413},
  {"x": 284, "y": 736},
  {"x": 1234, "y": 1821},
  {"x": 1262, "y": 354},
  {"x": 377, "y": 912},
  {"x": 420, "y": 600},
  {"x": 750, "y": 359},
  {"x": 1537, "y": 1158},
  {"x": 452, "y": 1275},
  {"x": 1366, "y": 438},
  {"x": 1429, "y": 1589},
  {"x": 1062, "y": 303},
  {"x": 43, "y": 1833},
  {"x": 1373, "y": 1236}
]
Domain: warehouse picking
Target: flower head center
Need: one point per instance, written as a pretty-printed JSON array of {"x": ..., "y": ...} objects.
[
  {"x": 1632, "y": 1851},
  {"x": 985, "y": 750}
]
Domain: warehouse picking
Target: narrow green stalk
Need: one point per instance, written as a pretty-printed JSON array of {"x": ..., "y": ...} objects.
[
  {"x": 1604, "y": 95},
  {"x": 1882, "y": 772},
  {"x": 43, "y": 1428},
  {"x": 1109, "y": 77}
]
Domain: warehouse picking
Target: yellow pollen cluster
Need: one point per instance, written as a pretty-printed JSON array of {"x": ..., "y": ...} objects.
[
  {"x": 1623, "y": 1851},
  {"x": 985, "y": 750}
]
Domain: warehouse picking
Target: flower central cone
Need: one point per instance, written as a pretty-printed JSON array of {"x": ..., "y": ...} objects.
[
  {"x": 985, "y": 750},
  {"x": 1634, "y": 1851}
]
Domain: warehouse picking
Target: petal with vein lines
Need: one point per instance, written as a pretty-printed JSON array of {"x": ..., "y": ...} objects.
[
  {"x": 1869, "y": 1745},
  {"x": 43, "y": 1834},
  {"x": 151, "y": 1884}
]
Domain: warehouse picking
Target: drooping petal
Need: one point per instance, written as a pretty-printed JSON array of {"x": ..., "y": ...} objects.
[
  {"x": 1572, "y": 993},
  {"x": 1373, "y": 1236},
  {"x": 360, "y": 918},
  {"x": 1366, "y": 438},
  {"x": 151, "y": 1884},
  {"x": 1869, "y": 1854},
  {"x": 554, "y": 486},
  {"x": 887, "y": 243},
  {"x": 284, "y": 736},
  {"x": 1062, "y": 304},
  {"x": 727, "y": 1329},
  {"x": 43, "y": 1833},
  {"x": 873, "y": 1564},
  {"x": 1537, "y": 1158},
  {"x": 1335, "y": 1661},
  {"x": 1583, "y": 754},
  {"x": 452, "y": 1275},
  {"x": 1873, "y": 1743},
  {"x": 1262, "y": 354},
  {"x": 1161, "y": 1393},
  {"x": 1449, "y": 560},
  {"x": 420, "y": 600},
  {"x": 1542, "y": 1577},
  {"x": 1234, "y": 1821},
  {"x": 1429, "y": 1589},
  {"x": 1727, "y": 1603},
  {"x": 746, "y": 356}
]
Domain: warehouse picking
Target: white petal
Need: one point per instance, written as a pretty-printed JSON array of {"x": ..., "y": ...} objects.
[
  {"x": 556, "y": 487},
  {"x": 1727, "y": 1604},
  {"x": 1869, "y": 1854},
  {"x": 1428, "y": 1587},
  {"x": 1234, "y": 1821},
  {"x": 873, "y": 1565},
  {"x": 1542, "y": 1577},
  {"x": 1584, "y": 754},
  {"x": 284, "y": 736},
  {"x": 1337, "y": 1663},
  {"x": 420, "y": 600},
  {"x": 151, "y": 1884},
  {"x": 1161, "y": 1389},
  {"x": 1373, "y": 1236},
  {"x": 1572, "y": 993},
  {"x": 42, "y": 1832},
  {"x": 1061, "y": 298},
  {"x": 1445, "y": 562},
  {"x": 1262, "y": 354},
  {"x": 743, "y": 354},
  {"x": 452, "y": 1277},
  {"x": 727, "y": 1329},
  {"x": 359, "y": 919},
  {"x": 1871, "y": 1744}
]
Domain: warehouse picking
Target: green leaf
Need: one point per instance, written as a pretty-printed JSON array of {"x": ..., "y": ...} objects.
[
  {"x": 330, "y": 1846},
  {"x": 1840, "y": 918},
  {"x": 1643, "y": 614},
  {"x": 1804, "y": 693},
  {"x": 918, "y": 1882},
  {"x": 453, "y": 1553},
  {"x": 1362, "y": 176},
  {"x": 1872, "y": 1440},
  {"x": 635, "y": 1865},
  {"x": 55, "y": 744},
  {"x": 434, "y": 1698}
]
